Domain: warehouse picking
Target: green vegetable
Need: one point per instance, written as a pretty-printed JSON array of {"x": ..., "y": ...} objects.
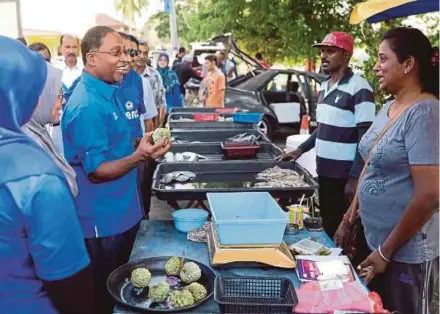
[
  {"x": 140, "y": 277},
  {"x": 190, "y": 272},
  {"x": 181, "y": 298},
  {"x": 172, "y": 267},
  {"x": 197, "y": 290},
  {"x": 159, "y": 292},
  {"x": 161, "y": 134}
]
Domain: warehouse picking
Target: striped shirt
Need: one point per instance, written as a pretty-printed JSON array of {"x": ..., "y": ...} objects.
[{"x": 341, "y": 108}]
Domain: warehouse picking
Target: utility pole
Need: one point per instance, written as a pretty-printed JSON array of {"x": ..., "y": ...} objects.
[{"x": 170, "y": 9}]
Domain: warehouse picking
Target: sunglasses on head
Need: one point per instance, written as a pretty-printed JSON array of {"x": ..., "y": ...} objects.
[{"x": 131, "y": 52}]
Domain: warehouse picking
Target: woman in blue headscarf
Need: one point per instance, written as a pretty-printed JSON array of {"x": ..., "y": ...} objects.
[
  {"x": 44, "y": 266},
  {"x": 170, "y": 82}
]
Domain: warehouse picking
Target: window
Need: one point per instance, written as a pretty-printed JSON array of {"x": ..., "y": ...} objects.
[
  {"x": 315, "y": 86},
  {"x": 278, "y": 83}
]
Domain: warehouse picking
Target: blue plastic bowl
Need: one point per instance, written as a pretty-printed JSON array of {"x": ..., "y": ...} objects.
[{"x": 188, "y": 219}]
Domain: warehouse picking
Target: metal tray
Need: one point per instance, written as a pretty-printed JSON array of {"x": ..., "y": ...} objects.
[
  {"x": 228, "y": 176},
  {"x": 172, "y": 117},
  {"x": 120, "y": 288},
  {"x": 211, "y": 135},
  {"x": 214, "y": 151},
  {"x": 192, "y": 110}
]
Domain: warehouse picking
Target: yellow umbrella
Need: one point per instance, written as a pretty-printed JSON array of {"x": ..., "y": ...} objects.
[{"x": 364, "y": 10}]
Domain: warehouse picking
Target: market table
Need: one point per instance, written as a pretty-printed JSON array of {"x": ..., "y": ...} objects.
[{"x": 160, "y": 238}]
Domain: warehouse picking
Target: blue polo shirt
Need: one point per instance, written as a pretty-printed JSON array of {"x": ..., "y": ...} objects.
[
  {"x": 130, "y": 99},
  {"x": 95, "y": 131},
  {"x": 40, "y": 239}
]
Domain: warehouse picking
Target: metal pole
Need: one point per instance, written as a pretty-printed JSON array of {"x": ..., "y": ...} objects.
[
  {"x": 173, "y": 27},
  {"x": 19, "y": 27}
]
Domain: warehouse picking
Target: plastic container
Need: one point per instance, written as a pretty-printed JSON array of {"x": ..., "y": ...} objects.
[
  {"x": 247, "y": 117},
  {"x": 237, "y": 150},
  {"x": 188, "y": 219},
  {"x": 247, "y": 218},
  {"x": 226, "y": 110},
  {"x": 205, "y": 117},
  {"x": 255, "y": 294}
]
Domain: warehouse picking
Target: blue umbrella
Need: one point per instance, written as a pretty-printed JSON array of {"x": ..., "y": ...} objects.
[{"x": 381, "y": 10}]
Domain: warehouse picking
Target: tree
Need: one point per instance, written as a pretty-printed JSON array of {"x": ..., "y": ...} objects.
[{"x": 130, "y": 8}]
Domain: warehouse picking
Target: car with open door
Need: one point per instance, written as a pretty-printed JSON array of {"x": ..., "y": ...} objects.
[{"x": 282, "y": 95}]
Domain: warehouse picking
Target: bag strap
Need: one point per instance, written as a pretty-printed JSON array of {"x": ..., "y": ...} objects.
[{"x": 367, "y": 160}]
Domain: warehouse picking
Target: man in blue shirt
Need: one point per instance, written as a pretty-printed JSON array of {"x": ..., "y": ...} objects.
[
  {"x": 131, "y": 95},
  {"x": 44, "y": 266},
  {"x": 97, "y": 143}
]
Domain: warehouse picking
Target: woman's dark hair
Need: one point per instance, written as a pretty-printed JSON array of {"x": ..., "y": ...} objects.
[
  {"x": 406, "y": 42},
  {"x": 40, "y": 47},
  {"x": 259, "y": 56},
  {"x": 211, "y": 58}
]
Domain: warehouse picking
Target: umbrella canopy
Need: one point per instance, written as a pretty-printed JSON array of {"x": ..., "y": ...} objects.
[{"x": 381, "y": 10}]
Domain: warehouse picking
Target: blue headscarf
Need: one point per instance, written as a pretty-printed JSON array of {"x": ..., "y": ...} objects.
[
  {"x": 169, "y": 77},
  {"x": 22, "y": 78}
]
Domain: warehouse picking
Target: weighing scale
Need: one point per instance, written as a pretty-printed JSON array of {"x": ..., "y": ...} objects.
[{"x": 277, "y": 255}]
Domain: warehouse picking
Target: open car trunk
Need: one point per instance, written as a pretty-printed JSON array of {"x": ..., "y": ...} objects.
[{"x": 254, "y": 67}]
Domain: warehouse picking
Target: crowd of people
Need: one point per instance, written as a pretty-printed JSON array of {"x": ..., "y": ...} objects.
[{"x": 76, "y": 148}]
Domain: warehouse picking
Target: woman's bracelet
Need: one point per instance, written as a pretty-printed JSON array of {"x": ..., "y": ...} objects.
[{"x": 383, "y": 256}]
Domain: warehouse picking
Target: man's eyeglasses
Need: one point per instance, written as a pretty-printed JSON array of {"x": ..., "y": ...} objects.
[
  {"x": 131, "y": 52},
  {"x": 117, "y": 53}
]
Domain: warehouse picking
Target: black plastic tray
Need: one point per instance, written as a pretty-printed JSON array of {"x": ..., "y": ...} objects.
[
  {"x": 211, "y": 135},
  {"x": 190, "y": 115},
  {"x": 228, "y": 176},
  {"x": 214, "y": 151},
  {"x": 255, "y": 294},
  {"x": 117, "y": 282},
  {"x": 175, "y": 124},
  {"x": 192, "y": 110}
]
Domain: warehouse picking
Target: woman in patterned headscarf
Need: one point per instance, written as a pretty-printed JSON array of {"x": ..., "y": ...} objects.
[{"x": 171, "y": 83}]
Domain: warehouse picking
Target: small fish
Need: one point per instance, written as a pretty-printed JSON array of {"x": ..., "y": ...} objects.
[{"x": 179, "y": 176}]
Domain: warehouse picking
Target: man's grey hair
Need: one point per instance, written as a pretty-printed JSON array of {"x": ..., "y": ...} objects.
[
  {"x": 142, "y": 42},
  {"x": 93, "y": 40}
]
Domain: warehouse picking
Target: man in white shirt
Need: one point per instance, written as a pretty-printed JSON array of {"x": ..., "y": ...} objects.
[
  {"x": 153, "y": 77},
  {"x": 69, "y": 45}
]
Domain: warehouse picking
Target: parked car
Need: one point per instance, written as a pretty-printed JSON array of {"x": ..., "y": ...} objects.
[{"x": 282, "y": 95}]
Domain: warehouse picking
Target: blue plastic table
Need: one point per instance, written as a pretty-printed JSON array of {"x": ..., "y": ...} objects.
[{"x": 160, "y": 238}]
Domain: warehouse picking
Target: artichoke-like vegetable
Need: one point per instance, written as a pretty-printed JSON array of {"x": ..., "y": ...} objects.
[
  {"x": 140, "y": 277},
  {"x": 172, "y": 267},
  {"x": 181, "y": 298},
  {"x": 197, "y": 290},
  {"x": 159, "y": 292},
  {"x": 190, "y": 272},
  {"x": 161, "y": 134}
]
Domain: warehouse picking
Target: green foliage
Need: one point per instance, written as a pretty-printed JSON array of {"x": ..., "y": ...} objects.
[
  {"x": 130, "y": 8},
  {"x": 283, "y": 30}
]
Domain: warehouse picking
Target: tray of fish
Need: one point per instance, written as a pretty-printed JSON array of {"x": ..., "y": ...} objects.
[
  {"x": 213, "y": 152},
  {"x": 191, "y": 181},
  {"x": 217, "y": 135}
]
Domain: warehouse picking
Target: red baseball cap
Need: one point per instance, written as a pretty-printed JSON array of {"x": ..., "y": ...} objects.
[{"x": 338, "y": 39}]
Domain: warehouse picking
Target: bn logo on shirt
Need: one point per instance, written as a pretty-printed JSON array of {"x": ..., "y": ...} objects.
[
  {"x": 129, "y": 105},
  {"x": 130, "y": 113}
]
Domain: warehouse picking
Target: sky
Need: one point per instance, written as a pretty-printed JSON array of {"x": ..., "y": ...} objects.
[{"x": 73, "y": 16}]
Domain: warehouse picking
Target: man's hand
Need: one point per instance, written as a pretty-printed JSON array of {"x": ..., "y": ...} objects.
[
  {"x": 350, "y": 189},
  {"x": 146, "y": 150},
  {"x": 292, "y": 155}
]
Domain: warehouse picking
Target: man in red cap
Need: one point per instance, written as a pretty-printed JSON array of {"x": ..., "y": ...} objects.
[{"x": 344, "y": 112}]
